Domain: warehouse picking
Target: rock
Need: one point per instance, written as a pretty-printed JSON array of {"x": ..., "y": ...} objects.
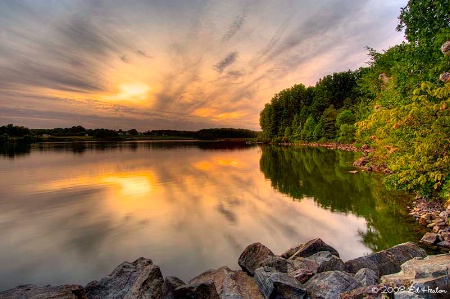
[
  {"x": 429, "y": 239},
  {"x": 31, "y": 291},
  {"x": 140, "y": 279},
  {"x": 386, "y": 261},
  {"x": 253, "y": 257},
  {"x": 445, "y": 77},
  {"x": 422, "y": 275},
  {"x": 361, "y": 162},
  {"x": 407, "y": 295},
  {"x": 273, "y": 284},
  {"x": 302, "y": 275},
  {"x": 445, "y": 48},
  {"x": 302, "y": 263},
  {"x": 308, "y": 249},
  {"x": 353, "y": 171},
  {"x": 366, "y": 277},
  {"x": 230, "y": 284},
  {"x": 423, "y": 220},
  {"x": 327, "y": 262},
  {"x": 278, "y": 263},
  {"x": 445, "y": 236},
  {"x": 367, "y": 292},
  {"x": 328, "y": 285},
  {"x": 444, "y": 244},
  {"x": 196, "y": 291},
  {"x": 169, "y": 286}
]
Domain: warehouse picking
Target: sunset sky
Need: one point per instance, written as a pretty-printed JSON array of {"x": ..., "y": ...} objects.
[{"x": 175, "y": 64}]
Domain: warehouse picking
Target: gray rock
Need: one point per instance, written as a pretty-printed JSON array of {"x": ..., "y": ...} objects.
[
  {"x": 230, "y": 284},
  {"x": 367, "y": 292},
  {"x": 386, "y": 261},
  {"x": 277, "y": 285},
  {"x": 327, "y": 262},
  {"x": 422, "y": 275},
  {"x": 196, "y": 291},
  {"x": 308, "y": 249},
  {"x": 169, "y": 286},
  {"x": 278, "y": 263},
  {"x": 328, "y": 285},
  {"x": 140, "y": 279},
  {"x": 302, "y": 263},
  {"x": 407, "y": 295},
  {"x": 366, "y": 277},
  {"x": 430, "y": 239},
  {"x": 444, "y": 244},
  {"x": 31, "y": 291},
  {"x": 302, "y": 275},
  {"x": 253, "y": 257}
]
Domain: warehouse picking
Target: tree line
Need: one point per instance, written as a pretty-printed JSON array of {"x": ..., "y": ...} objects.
[
  {"x": 398, "y": 104},
  {"x": 12, "y": 133}
]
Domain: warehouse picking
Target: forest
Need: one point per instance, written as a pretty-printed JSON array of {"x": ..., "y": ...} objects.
[{"x": 398, "y": 105}]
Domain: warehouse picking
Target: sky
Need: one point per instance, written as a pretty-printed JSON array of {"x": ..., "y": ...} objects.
[{"x": 175, "y": 64}]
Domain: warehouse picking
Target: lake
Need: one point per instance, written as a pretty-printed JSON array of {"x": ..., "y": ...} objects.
[{"x": 70, "y": 213}]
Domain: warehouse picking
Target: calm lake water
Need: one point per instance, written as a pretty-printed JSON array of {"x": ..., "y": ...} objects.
[{"x": 70, "y": 213}]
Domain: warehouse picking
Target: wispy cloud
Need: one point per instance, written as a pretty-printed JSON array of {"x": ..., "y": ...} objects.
[{"x": 156, "y": 64}]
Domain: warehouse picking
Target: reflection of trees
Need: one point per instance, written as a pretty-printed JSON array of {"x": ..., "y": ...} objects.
[
  {"x": 323, "y": 175},
  {"x": 14, "y": 150}
]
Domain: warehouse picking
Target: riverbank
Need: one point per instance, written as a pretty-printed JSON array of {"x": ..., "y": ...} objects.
[{"x": 308, "y": 270}]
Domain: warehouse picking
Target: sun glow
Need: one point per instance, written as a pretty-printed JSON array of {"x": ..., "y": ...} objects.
[{"x": 136, "y": 92}]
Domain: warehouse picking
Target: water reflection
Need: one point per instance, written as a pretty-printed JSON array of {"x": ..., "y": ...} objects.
[
  {"x": 324, "y": 176},
  {"x": 71, "y": 213}
]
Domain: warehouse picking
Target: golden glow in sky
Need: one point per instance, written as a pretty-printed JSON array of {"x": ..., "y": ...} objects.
[{"x": 175, "y": 64}]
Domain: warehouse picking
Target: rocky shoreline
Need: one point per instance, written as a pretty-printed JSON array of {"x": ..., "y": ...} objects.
[{"x": 308, "y": 270}]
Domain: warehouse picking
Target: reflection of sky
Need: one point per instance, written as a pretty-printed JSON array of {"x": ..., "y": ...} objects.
[
  {"x": 68, "y": 218},
  {"x": 175, "y": 64}
]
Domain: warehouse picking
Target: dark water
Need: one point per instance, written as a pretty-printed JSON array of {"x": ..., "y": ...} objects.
[{"x": 69, "y": 213}]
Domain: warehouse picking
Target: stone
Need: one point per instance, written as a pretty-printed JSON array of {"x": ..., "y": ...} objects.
[
  {"x": 363, "y": 161},
  {"x": 169, "y": 286},
  {"x": 423, "y": 274},
  {"x": 407, "y": 295},
  {"x": 367, "y": 292},
  {"x": 278, "y": 263},
  {"x": 444, "y": 244},
  {"x": 366, "y": 277},
  {"x": 273, "y": 284},
  {"x": 140, "y": 279},
  {"x": 328, "y": 285},
  {"x": 31, "y": 291},
  {"x": 327, "y": 262},
  {"x": 230, "y": 284},
  {"x": 302, "y": 275},
  {"x": 445, "y": 48},
  {"x": 386, "y": 261},
  {"x": 253, "y": 257},
  {"x": 196, "y": 291},
  {"x": 429, "y": 239},
  {"x": 308, "y": 249}
]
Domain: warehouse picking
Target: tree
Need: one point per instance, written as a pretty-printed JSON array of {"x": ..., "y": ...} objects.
[{"x": 422, "y": 20}]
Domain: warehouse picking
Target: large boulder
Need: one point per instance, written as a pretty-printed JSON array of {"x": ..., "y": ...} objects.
[
  {"x": 278, "y": 263},
  {"x": 31, "y": 291},
  {"x": 230, "y": 284},
  {"x": 308, "y": 249},
  {"x": 328, "y": 285},
  {"x": 274, "y": 284},
  {"x": 196, "y": 291},
  {"x": 386, "y": 261},
  {"x": 169, "y": 286},
  {"x": 421, "y": 275},
  {"x": 253, "y": 257},
  {"x": 137, "y": 280},
  {"x": 327, "y": 262}
]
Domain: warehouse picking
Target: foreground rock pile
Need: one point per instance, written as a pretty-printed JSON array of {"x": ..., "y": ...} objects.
[{"x": 309, "y": 270}]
